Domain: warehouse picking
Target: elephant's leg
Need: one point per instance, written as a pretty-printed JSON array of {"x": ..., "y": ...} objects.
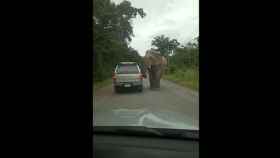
[
  {"x": 150, "y": 78},
  {"x": 157, "y": 76}
]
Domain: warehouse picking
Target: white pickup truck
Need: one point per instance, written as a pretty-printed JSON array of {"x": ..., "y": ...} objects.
[{"x": 127, "y": 75}]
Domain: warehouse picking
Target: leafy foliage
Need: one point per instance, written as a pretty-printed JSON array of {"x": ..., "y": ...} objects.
[
  {"x": 184, "y": 65},
  {"x": 112, "y": 34},
  {"x": 186, "y": 56},
  {"x": 165, "y": 45}
]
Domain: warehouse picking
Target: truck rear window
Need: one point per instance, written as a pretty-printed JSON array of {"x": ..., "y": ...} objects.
[{"x": 127, "y": 69}]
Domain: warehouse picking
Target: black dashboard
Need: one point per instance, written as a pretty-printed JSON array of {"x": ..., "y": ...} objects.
[{"x": 117, "y": 146}]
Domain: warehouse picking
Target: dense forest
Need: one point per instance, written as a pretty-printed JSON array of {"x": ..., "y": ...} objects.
[{"x": 111, "y": 36}]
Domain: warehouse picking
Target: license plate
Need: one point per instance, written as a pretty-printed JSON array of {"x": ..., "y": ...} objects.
[{"x": 127, "y": 85}]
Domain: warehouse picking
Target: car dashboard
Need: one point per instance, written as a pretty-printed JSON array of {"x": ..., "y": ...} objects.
[{"x": 118, "y": 146}]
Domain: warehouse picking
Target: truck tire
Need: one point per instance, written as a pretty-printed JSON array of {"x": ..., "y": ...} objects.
[
  {"x": 140, "y": 89},
  {"x": 116, "y": 89}
]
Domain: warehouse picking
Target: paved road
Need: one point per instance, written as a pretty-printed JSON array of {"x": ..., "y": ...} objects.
[{"x": 171, "y": 103}]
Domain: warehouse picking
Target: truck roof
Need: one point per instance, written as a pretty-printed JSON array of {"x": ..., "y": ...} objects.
[{"x": 128, "y": 63}]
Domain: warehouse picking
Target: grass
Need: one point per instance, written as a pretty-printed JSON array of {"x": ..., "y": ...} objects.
[
  {"x": 188, "y": 78},
  {"x": 100, "y": 84}
]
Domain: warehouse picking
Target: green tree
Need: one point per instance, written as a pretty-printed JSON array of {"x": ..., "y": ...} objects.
[
  {"x": 112, "y": 32},
  {"x": 165, "y": 45},
  {"x": 185, "y": 57},
  {"x": 194, "y": 43}
]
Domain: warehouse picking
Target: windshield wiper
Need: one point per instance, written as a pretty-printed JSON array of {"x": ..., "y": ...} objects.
[{"x": 146, "y": 131}]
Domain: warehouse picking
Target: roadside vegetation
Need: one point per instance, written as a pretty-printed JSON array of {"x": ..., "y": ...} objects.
[
  {"x": 112, "y": 32},
  {"x": 100, "y": 84},
  {"x": 183, "y": 60},
  {"x": 188, "y": 78},
  {"x": 184, "y": 66}
]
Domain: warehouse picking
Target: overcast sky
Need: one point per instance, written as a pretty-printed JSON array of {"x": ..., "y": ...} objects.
[{"x": 174, "y": 18}]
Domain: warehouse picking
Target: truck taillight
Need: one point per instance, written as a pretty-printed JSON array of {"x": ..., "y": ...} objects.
[{"x": 141, "y": 77}]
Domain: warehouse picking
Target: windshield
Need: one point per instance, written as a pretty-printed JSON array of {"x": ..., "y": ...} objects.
[
  {"x": 127, "y": 69},
  {"x": 146, "y": 65}
]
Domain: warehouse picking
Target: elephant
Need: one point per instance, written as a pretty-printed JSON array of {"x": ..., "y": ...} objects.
[{"x": 155, "y": 64}]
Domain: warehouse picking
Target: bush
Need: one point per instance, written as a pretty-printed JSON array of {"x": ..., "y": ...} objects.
[
  {"x": 171, "y": 69},
  {"x": 185, "y": 77}
]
